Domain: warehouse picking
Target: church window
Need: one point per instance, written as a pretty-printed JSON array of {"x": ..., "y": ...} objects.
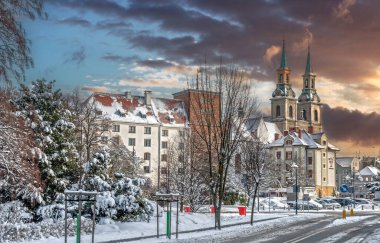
[
  {"x": 278, "y": 111},
  {"x": 278, "y": 155},
  {"x": 306, "y": 83},
  {"x": 280, "y": 78},
  {"x": 315, "y": 115},
  {"x": 312, "y": 83},
  {"x": 291, "y": 111},
  {"x": 303, "y": 114},
  {"x": 287, "y": 78}
]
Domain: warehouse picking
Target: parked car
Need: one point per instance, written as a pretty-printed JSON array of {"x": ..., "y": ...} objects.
[
  {"x": 376, "y": 201},
  {"x": 361, "y": 201},
  {"x": 304, "y": 205},
  {"x": 345, "y": 201}
]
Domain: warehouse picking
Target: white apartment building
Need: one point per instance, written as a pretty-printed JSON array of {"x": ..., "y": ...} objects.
[{"x": 144, "y": 124}]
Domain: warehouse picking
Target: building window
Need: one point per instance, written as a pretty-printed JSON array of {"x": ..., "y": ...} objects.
[
  {"x": 278, "y": 111},
  {"x": 147, "y": 142},
  {"x": 180, "y": 158},
  {"x": 116, "y": 140},
  {"x": 291, "y": 111},
  {"x": 310, "y": 173},
  {"x": 324, "y": 155},
  {"x": 237, "y": 164},
  {"x": 324, "y": 178},
  {"x": 146, "y": 156},
  {"x": 288, "y": 142},
  {"x": 306, "y": 83},
  {"x": 304, "y": 117},
  {"x": 280, "y": 77},
  {"x": 287, "y": 78},
  {"x": 315, "y": 115},
  {"x": 132, "y": 141},
  {"x": 165, "y": 133},
  {"x": 278, "y": 155},
  {"x": 181, "y": 146},
  {"x": 132, "y": 129},
  {"x": 116, "y": 128},
  {"x": 147, "y": 130},
  {"x": 324, "y": 142},
  {"x": 104, "y": 127},
  {"x": 324, "y": 166},
  {"x": 164, "y": 157},
  {"x": 147, "y": 169},
  {"x": 164, "y": 145},
  {"x": 288, "y": 155},
  {"x": 181, "y": 133},
  {"x": 163, "y": 170},
  {"x": 310, "y": 160},
  {"x": 104, "y": 139}
]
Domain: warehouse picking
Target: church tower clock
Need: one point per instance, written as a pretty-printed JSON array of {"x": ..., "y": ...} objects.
[
  {"x": 309, "y": 103},
  {"x": 283, "y": 101}
]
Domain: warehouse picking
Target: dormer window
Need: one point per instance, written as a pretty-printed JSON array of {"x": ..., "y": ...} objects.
[
  {"x": 170, "y": 118},
  {"x": 120, "y": 113},
  {"x": 142, "y": 114},
  {"x": 289, "y": 142}
]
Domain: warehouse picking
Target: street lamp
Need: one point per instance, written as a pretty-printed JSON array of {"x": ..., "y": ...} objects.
[{"x": 295, "y": 167}]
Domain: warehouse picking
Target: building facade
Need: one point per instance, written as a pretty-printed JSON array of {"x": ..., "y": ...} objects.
[{"x": 303, "y": 141}]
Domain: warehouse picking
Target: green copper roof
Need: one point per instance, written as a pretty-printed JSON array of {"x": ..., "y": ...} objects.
[
  {"x": 283, "y": 56},
  {"x": 308, "y": 62}
]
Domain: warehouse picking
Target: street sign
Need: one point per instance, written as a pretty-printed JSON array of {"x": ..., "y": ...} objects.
[{"x": 343, "y": 188}]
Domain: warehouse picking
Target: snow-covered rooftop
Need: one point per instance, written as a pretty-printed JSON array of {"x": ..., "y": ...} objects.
[
  {"x": 370, "y": 171},
  {"x": 117, "y": 107},
  {"x": 344, "y": 161}
]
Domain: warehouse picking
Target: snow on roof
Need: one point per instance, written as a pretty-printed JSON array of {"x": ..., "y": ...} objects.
[
  {"x": 117, "y": 107},
  {"x": 344, "y": 161},
  {"x": 170, "y": 112},
  {"x": 370, "y": 171},
  {"x": 305, "y": 140},
  {"x": 272, "y": 130},
  {"x": 332, "y": 147}
]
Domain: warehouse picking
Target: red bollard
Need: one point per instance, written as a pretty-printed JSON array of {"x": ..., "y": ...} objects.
[
  {"x": 187, "y": 209},
  {"x": 212, "y": 209},
  {"x": 242, "y": 210}
]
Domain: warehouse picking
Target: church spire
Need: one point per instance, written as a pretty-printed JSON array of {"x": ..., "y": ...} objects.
[
  {"x": 309, "y": 68},
  {"x": 283, "y": 56}
]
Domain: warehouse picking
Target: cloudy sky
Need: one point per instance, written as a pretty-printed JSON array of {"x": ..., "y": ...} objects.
[{"x": 114, "y": 46}]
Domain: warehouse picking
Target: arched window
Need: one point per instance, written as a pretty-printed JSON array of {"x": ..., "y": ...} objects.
[
  {"x": 278, "y": 111},
  {"x": 315, "y": 115},
  {"x": 280, "y": 78},
  {"x": 291, "y": 111},
  {"x": 306, "y": 83},
  {"x": 312, "y": 83},
  {"x": 304, "y": 115},
  {"x": 287, "y": 78}
]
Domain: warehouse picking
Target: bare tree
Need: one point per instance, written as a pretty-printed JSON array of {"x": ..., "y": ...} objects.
[
  {"x": 222, "y": 104},
  {"x": 184, "y": 176},
  {"x": 14, "y": 51}
]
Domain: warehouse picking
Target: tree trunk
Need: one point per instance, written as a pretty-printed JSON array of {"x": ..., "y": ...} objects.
[{"x": 254, "y": 201}]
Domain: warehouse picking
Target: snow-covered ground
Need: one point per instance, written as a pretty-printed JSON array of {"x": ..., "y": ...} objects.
[
  {"x": 187, "y": 221},
  {"x": 348, "y": 220}
]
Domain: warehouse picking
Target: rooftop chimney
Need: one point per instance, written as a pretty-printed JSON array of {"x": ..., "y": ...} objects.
[
  {"x": 148, "y": 97},
  {"x": 276, "y": 136},
  {"x": 128, "y": 94},
  {"x": 286, "y": 132}
]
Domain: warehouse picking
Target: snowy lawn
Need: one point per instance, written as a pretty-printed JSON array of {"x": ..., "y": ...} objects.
[{"x": 187, "y": 221}]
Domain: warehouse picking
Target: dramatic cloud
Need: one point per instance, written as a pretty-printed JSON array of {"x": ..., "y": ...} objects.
[
  {"x": 343, "y": 11},
  {"x": 355, "y": 126},
  {"x": 271, "y": 52},
  {"x": 94, "y": 89},
  {"x": 77, "y": 56},
  {"x": 75, "y": 21}
]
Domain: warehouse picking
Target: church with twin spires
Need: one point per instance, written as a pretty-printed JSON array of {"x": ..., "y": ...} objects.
[
  {"x": 287, "y": 111},
  {"x": 303, "y": 140}
]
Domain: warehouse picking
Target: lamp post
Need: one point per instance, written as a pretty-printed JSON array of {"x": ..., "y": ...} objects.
[{"x": 295, "y": 167}]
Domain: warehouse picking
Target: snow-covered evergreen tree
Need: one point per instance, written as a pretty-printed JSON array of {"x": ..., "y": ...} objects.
[{"x": 45, "y": 112}]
